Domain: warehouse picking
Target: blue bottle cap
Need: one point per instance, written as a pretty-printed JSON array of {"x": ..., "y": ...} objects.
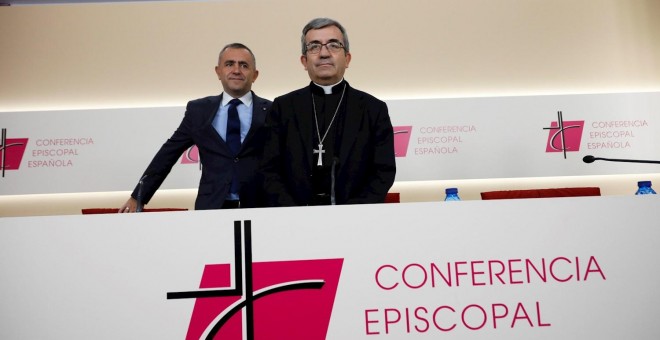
[
  {"x": 449, "y": 191},
  {"x": 643, "y": 184}
]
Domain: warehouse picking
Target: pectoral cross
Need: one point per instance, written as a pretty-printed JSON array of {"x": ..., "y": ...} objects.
[{"x": 320, "y": 151}]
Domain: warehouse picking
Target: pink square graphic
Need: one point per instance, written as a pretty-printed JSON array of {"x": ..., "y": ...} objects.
[
  {"x": 568, "y": 138},
  {"x": 14, "y": 149},
  {"x": 401, "y": 140},
  {"x": 302, "y": 314},
  {"x": 191, "y": 156}
]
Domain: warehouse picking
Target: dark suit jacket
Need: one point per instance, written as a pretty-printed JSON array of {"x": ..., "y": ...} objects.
[
  {"x": 218, "y": 163},
  {"x": 365, "y": 165}
]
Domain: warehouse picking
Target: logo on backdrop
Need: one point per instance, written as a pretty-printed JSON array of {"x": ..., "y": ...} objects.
[
  {"x": 564, "y": 136},
  {"x": 191, "y": 156},
  {"x": 11, "y": 152},
  {"x": 401, "y": 140},
  {"x": 268, "y": 300}
]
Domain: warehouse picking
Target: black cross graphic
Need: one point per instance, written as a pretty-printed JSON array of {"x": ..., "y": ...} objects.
[
  {"x": 243, "y": 284},
  {"x": 560, "y": 132}
]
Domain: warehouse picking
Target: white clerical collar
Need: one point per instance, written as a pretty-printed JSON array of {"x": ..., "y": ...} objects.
[
  {"x": 246, "y": 99},
  {"x": 327, "y": 89}
]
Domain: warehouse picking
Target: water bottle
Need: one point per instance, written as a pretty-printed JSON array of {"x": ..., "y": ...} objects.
[
  {"x": 644, "y": 188},
  {"x": 452, "y": 194}
]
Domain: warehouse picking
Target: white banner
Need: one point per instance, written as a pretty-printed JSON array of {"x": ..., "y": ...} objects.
[
  {"x": 559, "y": 268},
  {"x": 436, "y": 139},
  {"x": 87, "y": 150},
  {"x": 474, "y": 138}
]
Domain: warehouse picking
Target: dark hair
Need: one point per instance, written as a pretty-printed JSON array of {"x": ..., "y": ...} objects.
[
  {"x": 238, "y": 46},
  {"x": 319, "y": 23}
]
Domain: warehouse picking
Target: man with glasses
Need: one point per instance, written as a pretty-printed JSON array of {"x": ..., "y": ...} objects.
[{"x": 327, "y": 143}]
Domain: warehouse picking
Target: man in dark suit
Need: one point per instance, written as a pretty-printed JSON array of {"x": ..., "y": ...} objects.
[
  {"x": 229, "y": 134},
  {"x": 327, "y": 143}
]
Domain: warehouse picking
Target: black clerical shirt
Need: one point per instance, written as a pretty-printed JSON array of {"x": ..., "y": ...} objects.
[{"x": 326, "y": 106}]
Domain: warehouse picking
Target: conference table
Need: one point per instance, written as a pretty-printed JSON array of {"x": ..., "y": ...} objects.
[{"x": 548, "y": 268}]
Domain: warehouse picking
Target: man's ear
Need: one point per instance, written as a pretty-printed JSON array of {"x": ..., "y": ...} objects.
[
  {"x": 255, "y": 75},
  {"x": 303, "y": 61}
]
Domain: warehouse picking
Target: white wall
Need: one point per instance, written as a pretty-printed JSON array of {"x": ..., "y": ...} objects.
[{"x": 162, "y": 54}]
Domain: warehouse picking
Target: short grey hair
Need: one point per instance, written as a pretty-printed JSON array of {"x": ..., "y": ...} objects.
[
  {"x": 238, "y": 46},
  {"x": 319, "y": 23}
]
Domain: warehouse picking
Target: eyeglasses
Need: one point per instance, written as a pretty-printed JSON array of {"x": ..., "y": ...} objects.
[{"x": 315, "y": 48}]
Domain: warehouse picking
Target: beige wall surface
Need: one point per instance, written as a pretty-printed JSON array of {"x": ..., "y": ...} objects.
[
  {"x": 163, "y": 53},
  {"x": 59, "y": 57}
]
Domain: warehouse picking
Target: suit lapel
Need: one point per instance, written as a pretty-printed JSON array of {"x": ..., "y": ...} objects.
[
  {"x": 214, "y": 105},
  {"x": 207, "y": 127}
]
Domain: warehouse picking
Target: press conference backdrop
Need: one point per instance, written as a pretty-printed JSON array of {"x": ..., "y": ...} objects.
[{"x": 435, "y": 139}]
